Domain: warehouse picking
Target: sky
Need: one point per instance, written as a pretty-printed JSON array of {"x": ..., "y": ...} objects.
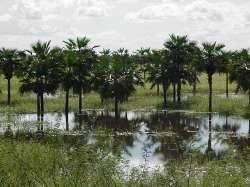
[{"x": 124, "y": 23}]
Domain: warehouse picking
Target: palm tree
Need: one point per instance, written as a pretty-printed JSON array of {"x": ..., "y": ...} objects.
[
  {"x": 211, "y": 59},
  {"x": 116, "y": 76},
  {"x": 159, "y": 72},
  {"x": 228, "y": 59},
  {"x": 180, "y": 50},
  {"x": 38, "y": 72},
  {"x": 67, "y": 77},
  {"x": 84, "y": 64},
  {"x": 142, "y": 58},
  {"x": 193, "y": 72},
  {"x": 240, "y": 72},
  {"x": 9, "y": 59}
]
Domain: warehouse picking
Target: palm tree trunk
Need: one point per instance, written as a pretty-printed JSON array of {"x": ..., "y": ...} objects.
[
  {"x": 210, "y": 83},
  {"x": 194, "y": 88},
  {"x": 42, "y": 105},
  {"x": 165, "y": 95},
  {"x": 41, "y": 127},
  {"x": 38, "y": 109},
  {"x": 67, "y": 109},
  {"x": 8, "y": 91},
  {"x": 174, "y": 93},
  {"x": 158, "y": 89},
  {"x": 249, "y": 98},
  {"x": 227, "y": 82},
  {"x": 179, "y": 92},
  {"x": 249, "y": 127},
  {"x": 209, "y": 146},
  {"x": 116, "y": 108},
  {"x": 80, "y": 100}
]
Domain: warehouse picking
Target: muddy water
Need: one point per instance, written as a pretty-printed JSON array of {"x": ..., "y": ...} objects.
[{"x": 143, "y": 137}]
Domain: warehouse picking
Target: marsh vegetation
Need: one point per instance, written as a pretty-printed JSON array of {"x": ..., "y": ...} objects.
[{"x": 80, "y": 116}]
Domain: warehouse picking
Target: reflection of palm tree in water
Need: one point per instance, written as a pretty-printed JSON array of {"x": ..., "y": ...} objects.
[
  {"x": 120, "y": 131},
  {"x": 40, "y": 119},
  {"x": 172, "y": 132},
  {"x": 67, "y": 120},
  {"x": 209, "y": 145},
  {"x": 249, "y": 129}
]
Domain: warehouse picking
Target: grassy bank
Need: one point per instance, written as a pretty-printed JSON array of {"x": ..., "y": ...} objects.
[{"x": 144, "y": 98}]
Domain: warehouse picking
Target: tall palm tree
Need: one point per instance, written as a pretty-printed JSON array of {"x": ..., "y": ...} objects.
[
  {"x": 41, "y": 53},
  {"x": 9, "y": 59},
  {"x": 117, "y": 76},
  {"x": 211, "y": 59},
  {"x": 160, "y": 72},
  {"x": 38, "y": 72},
  {"x": 67, "y": 77},
  {"x": 228, "y": 60},
  {"x": 240, "y": 72},
  {"x": 194, "y": 70},
  {"x": 84, "y": 64},
  {"x": 180, "y": 51}
]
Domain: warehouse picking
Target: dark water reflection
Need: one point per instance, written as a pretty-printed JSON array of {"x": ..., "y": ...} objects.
[{"x": 143, "y": 137}]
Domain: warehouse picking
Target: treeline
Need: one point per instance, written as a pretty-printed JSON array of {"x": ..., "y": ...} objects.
[{"x": 115, "y": 74}]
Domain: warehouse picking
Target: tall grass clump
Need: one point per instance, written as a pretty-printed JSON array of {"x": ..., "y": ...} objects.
[{"x": 35, "y": 164}]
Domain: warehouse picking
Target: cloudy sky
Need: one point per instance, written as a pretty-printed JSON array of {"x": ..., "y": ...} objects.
[{"x": 124, "y": 23}]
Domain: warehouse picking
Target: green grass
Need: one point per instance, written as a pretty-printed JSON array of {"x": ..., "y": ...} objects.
[
  {"x": 54, "y": 164},
  {"x": 143, "y": 99}
]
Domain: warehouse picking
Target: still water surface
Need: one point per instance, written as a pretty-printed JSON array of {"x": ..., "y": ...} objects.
[{"x": 143, "y": 137}]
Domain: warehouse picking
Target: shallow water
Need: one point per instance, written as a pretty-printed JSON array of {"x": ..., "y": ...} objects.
[{"x": 150, "y": 138}]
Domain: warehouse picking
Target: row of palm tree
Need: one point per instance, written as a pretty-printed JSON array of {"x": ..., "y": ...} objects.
[{"x": 115, "y": 74}]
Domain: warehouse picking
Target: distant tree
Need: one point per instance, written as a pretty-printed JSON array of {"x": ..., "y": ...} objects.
[
  {"x": 9, "y": 59},
  {"x": 193, "y": 70},
  {"x": 227, "y": 63},
  {"x": 159, "y": 72},
  {"x": 117, "y": 76},
  {"x": 142, "y": 58},
  {"x": 211, "y": 59},
  {"x": 240, "y": 72},
  {"x": 83, "y": 66},
  {"x": 180, "y": 50}
]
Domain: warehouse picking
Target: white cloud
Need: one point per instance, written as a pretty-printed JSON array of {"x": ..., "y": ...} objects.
[
  {"x": 92, "y": 11},
  {"x": 111, "y": 38},
  {"x": 44, "y": 9},
  {"x": 45, "y": 16},
  {"x": 195, "y": 10},
  {"x": 148, "y": 22},
  {"x": 203, "y": 18},
  {"x": 154, "y": 13},
  {"x": 5, "y": 17},
  {"x": 92, "y": 8}
]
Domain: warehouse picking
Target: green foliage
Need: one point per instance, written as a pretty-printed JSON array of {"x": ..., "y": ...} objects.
[
  {"x": 241, "y": 71},
  {"x": 180, "y": 51},
  {"x": 211, "y": 58},
  {"x": 160, "y": 71},
  {"x": 38, "y": 71},
  {"x": 116, "y": 75},
  {"x": 34, "y": 164},
  {"x": 9, "y": 59},
  {"x": 82, "y": 64}
]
